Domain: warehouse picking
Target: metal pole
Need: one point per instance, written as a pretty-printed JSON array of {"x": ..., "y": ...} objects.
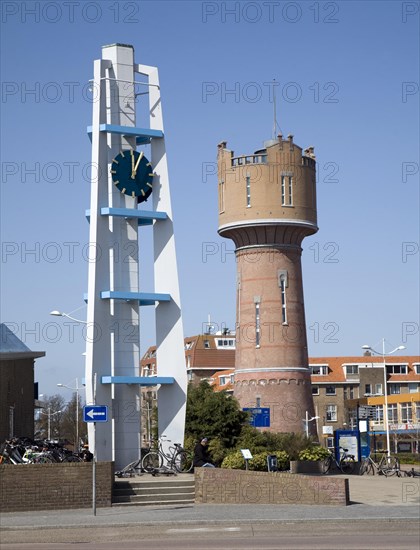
[
  {"x": 388, "y": 444},
  {"x": 94, "y": 479},
  {"x": 49, "y": 423},
  {"x": 76, "y": 449}
]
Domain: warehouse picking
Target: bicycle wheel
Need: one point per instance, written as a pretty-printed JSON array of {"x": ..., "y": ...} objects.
[
  {"x": 183, "y": 462},
  {"x": 392, "y": 467},
  {"x": 326, "y": 465},
  {"x": 347, "y": 466},
  {"x": 43, "y": 459},
  {"x": 151, "y": 461}
]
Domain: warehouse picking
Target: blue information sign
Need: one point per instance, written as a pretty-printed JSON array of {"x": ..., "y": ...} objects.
[
  {"x": 260, "y": 416},
  {"x": 95, "y": 413}
]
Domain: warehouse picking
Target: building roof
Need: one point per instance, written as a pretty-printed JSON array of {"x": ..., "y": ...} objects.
[{"x": 11, "y": 347}]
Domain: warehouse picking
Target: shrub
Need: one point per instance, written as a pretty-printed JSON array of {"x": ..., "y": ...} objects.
[
  {"x": 259, "y": 461},
  {"x": 235, "y": 461},
  {"x": 314, "y": 453},
  {"x": 409, "y": 458}
]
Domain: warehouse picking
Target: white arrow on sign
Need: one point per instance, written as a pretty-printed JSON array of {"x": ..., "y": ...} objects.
[{"x": 92, "y": 413}]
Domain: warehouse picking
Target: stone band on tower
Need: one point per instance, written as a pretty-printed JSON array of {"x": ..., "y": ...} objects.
[{"x": 267, "y": 205}]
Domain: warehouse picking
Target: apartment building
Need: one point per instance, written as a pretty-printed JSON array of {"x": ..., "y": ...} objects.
[{"x": 339, "y": 386}]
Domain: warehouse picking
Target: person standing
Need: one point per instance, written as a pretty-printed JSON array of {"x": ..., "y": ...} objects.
[{"x": 202, "y": 457}]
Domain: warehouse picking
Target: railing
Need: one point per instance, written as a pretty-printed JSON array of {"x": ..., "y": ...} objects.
[{"x": 249, "y": 159}]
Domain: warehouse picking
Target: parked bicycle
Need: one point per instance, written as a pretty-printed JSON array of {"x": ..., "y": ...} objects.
[
  {"x": 345, "y": 462},
  {"x": 176, "y": 460},
  {"x": 386, "y": 465}
]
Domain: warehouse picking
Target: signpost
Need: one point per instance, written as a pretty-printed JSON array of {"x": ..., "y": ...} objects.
[{"x": 94, "y": 413}]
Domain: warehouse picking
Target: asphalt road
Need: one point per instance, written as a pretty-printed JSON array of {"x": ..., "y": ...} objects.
[
  {"x": 370, "y": 534},
  {"x": 384, "y": 514}
]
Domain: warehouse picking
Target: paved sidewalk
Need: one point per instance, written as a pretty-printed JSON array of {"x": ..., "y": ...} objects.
[{"x": 372, "y": 497}]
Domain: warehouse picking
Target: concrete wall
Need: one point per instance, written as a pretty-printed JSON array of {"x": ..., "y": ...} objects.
[
  {"x": 217, "y": 486},
  {"x": 28, "y": 487}
]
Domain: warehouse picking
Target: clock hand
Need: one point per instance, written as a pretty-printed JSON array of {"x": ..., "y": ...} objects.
[{"x": 134, "y": 171}]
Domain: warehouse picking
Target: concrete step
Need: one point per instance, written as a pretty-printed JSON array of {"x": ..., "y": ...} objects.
[
  {"x": 156, "y": 503},
  {"x": 154, "y": 492}
]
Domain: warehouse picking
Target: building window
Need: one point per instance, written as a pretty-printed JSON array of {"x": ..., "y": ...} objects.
[
  {"x": 413, "y": 387},
  {"x": 189, "y": 345},
  {"x": 207, "y": 344},
  {"x": 392, "y": 413},
  {"x": 330, "y": 390},
  {"x": 222, "y": 380},
  {"x": 248, "y": 191},
  {"x": 222, "y": 196},
  {"x": 352, "y": 369},
  {"x": 189, "y": 375},
  {"x": 368, "y": 389},
  {"x": 417, "y": 368},
  {"x": 257, "y": 325},
  {"x": 378, "y": 389},
  {"x": 258, "y": 402},
  {"x": 315, "y": 390},
  {"x": 331, "y": 413},
  {"x": 348, "y": 393},
  {"x": 287, "y": 190},
  {"x": 418, "y": 412},
  {"x": 406, "y": 412},
  {"x": 319, "y": 370},
  {"x": 394, "y": 389},
  {"x": 396, "y": 369},
  {"x": 283, "y": 299},
  {"x": 379, "y": 413},
  {"x": 232, "y": 378}
]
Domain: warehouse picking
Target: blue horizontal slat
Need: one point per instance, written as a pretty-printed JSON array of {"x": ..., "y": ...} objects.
[
  {"x": 143, "y": 134},
  {"x": 145, "y": 217},
  {"x": 141, "y": 380},
  {"x": 144, "y": 298}
]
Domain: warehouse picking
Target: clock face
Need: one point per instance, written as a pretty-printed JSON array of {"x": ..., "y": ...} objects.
[{"x": 132, "y": 174}]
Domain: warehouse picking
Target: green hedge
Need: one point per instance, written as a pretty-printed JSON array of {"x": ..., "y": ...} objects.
[{"x": 314, "y": 454}]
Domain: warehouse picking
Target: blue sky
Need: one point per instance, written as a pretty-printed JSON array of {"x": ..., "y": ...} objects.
[{"x": 347, "y": 77}]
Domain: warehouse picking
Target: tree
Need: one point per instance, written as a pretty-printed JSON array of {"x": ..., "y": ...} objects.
[
  {"x": 216, "y": 415},
  {"x": 49, "y": 419}
]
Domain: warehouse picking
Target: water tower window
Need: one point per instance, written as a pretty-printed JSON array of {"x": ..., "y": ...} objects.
[
  {"x": 248, "y": 191},
  {"x": 257, "y": 325},
  {"x": 287, "y": 190}
]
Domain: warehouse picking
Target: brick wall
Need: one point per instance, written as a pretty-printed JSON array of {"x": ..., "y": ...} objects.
[
  {"x": 217, "y": 486},
  {"x": 25, "y": 487}
]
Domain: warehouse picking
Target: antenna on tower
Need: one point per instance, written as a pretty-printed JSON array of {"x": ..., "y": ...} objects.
[{"x": 275, "y": 123}]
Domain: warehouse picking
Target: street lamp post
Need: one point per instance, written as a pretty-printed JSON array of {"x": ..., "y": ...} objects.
[
  {"x": 307, "y": 420},
  {"x": 50, "y": 414},
  {"x": 366, "y": 347},
  {"x": 76, "y": 389}
]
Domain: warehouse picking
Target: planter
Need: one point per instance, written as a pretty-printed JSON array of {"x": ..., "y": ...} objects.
[{"x": 306, "y": 467}]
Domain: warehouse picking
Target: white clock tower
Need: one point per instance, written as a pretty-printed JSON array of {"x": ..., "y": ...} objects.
[{"x": 114, "y": 296}]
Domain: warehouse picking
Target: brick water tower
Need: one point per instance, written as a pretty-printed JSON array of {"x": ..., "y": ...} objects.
[{"x": 267, "y": 205}]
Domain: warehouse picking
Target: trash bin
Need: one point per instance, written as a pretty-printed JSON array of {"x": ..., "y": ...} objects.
[{"x": 272, "y": 463}]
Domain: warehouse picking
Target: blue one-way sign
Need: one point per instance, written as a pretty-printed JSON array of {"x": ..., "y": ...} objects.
[{"x": 95, "y": 413}]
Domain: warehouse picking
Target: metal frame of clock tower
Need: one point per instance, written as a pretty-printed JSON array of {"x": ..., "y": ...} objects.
[{"x": 114, "y": 297}]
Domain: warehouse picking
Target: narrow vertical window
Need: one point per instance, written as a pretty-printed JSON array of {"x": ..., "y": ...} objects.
[
  {"x": 248, "y": 191},
  {"x": 283, "y": 284},
  {"x": 283, "y": 190},
  {"x": 286, "y": 182},
  {"x": 257, "y": 300},
  {"x": 257, "y": 325},
  {"x": 221, "y": 196},
  {"x": 290, "y": 190}
]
